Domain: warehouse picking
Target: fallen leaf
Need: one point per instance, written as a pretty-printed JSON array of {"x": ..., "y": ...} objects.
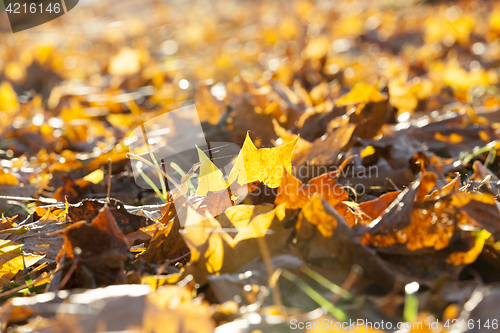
[
  {"x": 370, "y": 119},
  {"x": 324, "y": 151},
  {"x": 295, "y": 194},
  {"x": 166, "y": 244},
  {"x": 264, "y": 165},
  {"x": 8, "y": 222},
  {"x": 72, "y": 190},
  {"x": 420, "y": 220},
  {"x": 252, "y": 164},
  {"x": 213, "y": 250},
  {"x": 88, "y": 209},
  {"x": 42, "y": 238},
  {"x": 459, "y": 258},
  {"x": 103, "y": 251},
  {"x": 12, "y": 260},
  {"x": 375, "y": 208}
]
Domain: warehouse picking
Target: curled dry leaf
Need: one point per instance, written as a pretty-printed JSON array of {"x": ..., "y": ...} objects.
[
  {"x": 8, "y": 222},
  {"x": 371, "y": 210},
  {"x": 166, "y": 244},
  {"x": 372, "y": 109},
  {"x": 87, "y": 210},
  {"x": 103, "y": 251},
  {"x": 42, "y": 237}
]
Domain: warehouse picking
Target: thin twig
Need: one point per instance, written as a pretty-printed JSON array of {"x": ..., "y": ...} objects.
[
  {"x": 349, "y": 281},
  {"x": 168, "y": 262},
  {"x": 392, "y": 183},
  {"x": 77, "y": 251},
  {"x": 109, "y": 181}
]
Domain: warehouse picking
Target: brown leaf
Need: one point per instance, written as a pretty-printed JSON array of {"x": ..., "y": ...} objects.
[
  {"x": 8, "y": 222},
  {"x": 427, "y": 183},
  {"x": 103, "y": 252},
  {"x": 370, "y": 119},
  {"x": 325, "y": 151},
  {"x": 375, "y": 208},
  {"x": 423, "y": 221},
  {"x": 166, "y": 244},
  {"x": 295, "y": 194},
  {"x": 313, "y": 124},
  {"x": 457, "y": 125},
  {"x": 42, "y": 237},
  {"x": 143, "y": 235},
  {"x": 88, "y": 209},
  {"x": 418, "y": 225},
  {"x": 72, "y": 190}
]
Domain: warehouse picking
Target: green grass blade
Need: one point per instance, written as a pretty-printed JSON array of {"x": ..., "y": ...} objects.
[
  {"x": 315, "y": 296},
  {"x": 152, "y": 184},
  {"x": 160, "y": 177},
  {"x": 410, "y": 311},
  {"x": 181, "y": 172},
  {"x": 326, "y": 283}
]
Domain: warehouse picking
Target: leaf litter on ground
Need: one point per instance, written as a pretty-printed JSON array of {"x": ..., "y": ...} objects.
[{"x": 368, "y": 136}]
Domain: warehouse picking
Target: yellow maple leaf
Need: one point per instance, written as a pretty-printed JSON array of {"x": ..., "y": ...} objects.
[
  {"x": 252, "y": 164},
  {"x": 265, "y": 165},
  {"x": 211, "y": 178}
]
